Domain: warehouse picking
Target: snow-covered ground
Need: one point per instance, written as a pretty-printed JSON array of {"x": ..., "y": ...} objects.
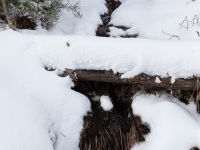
[
  {"x": 37, "y": 107},
  {"x": 150, "y": 18},
  {"x": 174, "y": 125},
  {"x": 69, "y": 24},
  {"x": 39, "y": 111},
  {"x": 129, "y": 56}
]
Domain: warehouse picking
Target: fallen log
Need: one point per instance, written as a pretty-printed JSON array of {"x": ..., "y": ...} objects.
[
  {"x": 119, "y": 128},
  {"x": 141, "y": 79}
]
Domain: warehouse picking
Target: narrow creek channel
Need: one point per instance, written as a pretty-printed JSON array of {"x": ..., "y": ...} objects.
[{"x": 103, "y": 29}]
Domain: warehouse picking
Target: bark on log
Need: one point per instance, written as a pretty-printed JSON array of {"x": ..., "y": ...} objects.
[{"x": 141, "y": 79}]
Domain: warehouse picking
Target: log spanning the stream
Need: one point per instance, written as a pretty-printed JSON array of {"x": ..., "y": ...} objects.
[
  {"x": 119, "y": 128},
  {"x": 141, "y": 79}
]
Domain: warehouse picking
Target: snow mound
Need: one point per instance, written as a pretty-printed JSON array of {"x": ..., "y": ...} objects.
[
  {"x": 173, "y": 125},
  {"x": 91, "y": 11},
  {"x": 106, "y": 103},
  {"x": 150, "y": 18},
  {"x": 38, "y": 110},
  {"x": 178, "y": 59}
]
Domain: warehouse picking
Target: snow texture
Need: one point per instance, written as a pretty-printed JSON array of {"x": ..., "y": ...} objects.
[
  {"x": 150, "y": 18},
  {"x": 174, "y": 125},
  {"x": 178, "y": 59},
  {"x": 38, "y": 110},
  {"x": 106, "y": 103},
  {"x": 69, "y": 24},
  {"x": 157, "y": 80}
]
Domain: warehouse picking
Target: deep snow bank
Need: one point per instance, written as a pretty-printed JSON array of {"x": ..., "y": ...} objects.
[
  {"x": 38, "y": 110},
  {"x": 174, "y": 125},
  {"x": 129, "y": 56},
  {"x": 150, "y": 17}
]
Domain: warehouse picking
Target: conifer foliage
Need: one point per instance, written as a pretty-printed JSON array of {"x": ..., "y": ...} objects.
[{"x": 26, "y": 14}]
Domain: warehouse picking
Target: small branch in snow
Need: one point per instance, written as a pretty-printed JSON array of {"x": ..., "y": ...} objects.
[
  {"x": 171, "y": 35},
  {"x": 196, "y": 17},
  {"x": 181, "y": 24},
  {"x": 62, "y": 134},
  {"x": 195, "y": 21},
  {"x": 68, "y": 44},
  {"x": 198, "y": 33}
]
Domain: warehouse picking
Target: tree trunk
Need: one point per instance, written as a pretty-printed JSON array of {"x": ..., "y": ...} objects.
[{"x": 5, "y": 7}]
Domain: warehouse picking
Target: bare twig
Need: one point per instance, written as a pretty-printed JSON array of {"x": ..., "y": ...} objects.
[
  {"x": 194, "y": 21},
  {"x": 198, "y": 33},
  {"x": 181, "y": 24},
  {"x": 62, "y": 134},
  {"x": 196, "y": 17},
  {"x": 171, "y": 35}
]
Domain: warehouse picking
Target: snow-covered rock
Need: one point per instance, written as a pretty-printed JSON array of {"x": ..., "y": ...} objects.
[{"x": 106, "y": 103}]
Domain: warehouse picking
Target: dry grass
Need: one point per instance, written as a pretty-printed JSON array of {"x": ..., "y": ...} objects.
[{"x": 117, "y": 129}]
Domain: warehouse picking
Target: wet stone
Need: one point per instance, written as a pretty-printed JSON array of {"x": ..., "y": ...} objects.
[
  {"x": 105, "y": 19},
  {"x": 102, "y": 31}
]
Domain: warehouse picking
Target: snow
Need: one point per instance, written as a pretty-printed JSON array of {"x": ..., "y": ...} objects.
[
  {"x": 38, "y": 109},
  {"x": 174, "y": 125},
  {"x": 87, "y": 25},
  {"x": 149, "y": 18},
  {"x": 128, "y": 56},
  {"x": 106, "y": 103},
  {"x": 36, "y": 105},
  {"x": 157, "y": 80},
  {"x": 69, "y": 24}
]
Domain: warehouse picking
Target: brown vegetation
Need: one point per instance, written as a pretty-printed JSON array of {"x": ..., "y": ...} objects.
[{"x": 118, "y": 129}]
